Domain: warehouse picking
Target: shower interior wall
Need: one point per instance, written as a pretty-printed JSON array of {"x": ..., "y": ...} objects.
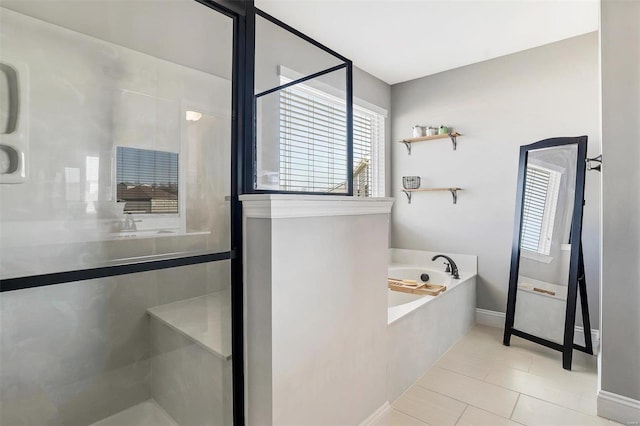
[{"x": 77, "y": 352}]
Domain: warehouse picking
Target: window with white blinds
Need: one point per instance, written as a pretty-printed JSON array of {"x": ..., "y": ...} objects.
[
  {"x": 539, "y": 210},
  {"x": 313, "y": 151},
  {"x": 147, "y": 180}
]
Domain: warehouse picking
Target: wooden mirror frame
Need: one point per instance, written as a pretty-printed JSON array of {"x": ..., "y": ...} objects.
[{"x": 576, "y": 265}]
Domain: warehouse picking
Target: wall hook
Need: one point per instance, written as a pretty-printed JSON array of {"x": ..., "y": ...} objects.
[{"x": 598, "y": 160}]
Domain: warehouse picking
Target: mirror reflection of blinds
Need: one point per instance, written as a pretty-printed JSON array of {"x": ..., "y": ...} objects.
[
  {"x": 313, "y": 144},
  {"x": 147, "y": 180},
  {"x": 535, "y": 196},
  {"x": 540, "y": 200}
]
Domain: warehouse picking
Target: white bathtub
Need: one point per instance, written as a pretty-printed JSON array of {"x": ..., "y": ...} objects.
[
  {"x": 422, "y": 328},
  {"x": 400, "y": 303}
]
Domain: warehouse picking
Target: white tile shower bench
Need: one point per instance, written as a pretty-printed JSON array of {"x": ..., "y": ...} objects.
[
  {"x": 191, "y": 359},
  {"x": 205, "y": 319}
]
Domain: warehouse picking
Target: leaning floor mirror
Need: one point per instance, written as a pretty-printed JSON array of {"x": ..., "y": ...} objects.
[{"x": 547, "y": 266}]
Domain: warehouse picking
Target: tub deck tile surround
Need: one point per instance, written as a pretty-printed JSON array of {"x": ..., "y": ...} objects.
[
  {"x": 467, "y": 264},
  {"x": 523, "y": 384},
  {"x": 416, "y": 329}
]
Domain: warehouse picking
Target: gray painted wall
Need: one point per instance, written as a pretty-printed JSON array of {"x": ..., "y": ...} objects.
[
  {"x": 498, "y": 105},
  {"x": 620, "y": 50}
]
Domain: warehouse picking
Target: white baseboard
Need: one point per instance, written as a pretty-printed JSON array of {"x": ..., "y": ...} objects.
[
  {"x": 496, "y": 319},
  {"x": 380, "y": 417},
  {"x": 490, "y": 318},
  {"x": 618, "y": 408}
]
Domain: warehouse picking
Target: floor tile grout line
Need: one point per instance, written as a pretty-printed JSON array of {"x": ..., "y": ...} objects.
[
  {"x": 538, "y": 398},
  {"x": 464, "y": 375},
  {"x": 471, "y": 377},
  {"x": 522, "y": 371},
  {"x": 410, "y": 415},
  {"x": 567, "y": 408},
  {"x": 536, "y": 375},
  {"x": 461, "y": 414},
  {"x": 490, "y": 358},
  {"x": 462, "y": 402},
  {"x": 454, "y": 371},
  {"x": 514, "y": 406}
]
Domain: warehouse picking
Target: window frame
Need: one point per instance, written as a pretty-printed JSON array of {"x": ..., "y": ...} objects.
[{"x": 361, "y": 108}]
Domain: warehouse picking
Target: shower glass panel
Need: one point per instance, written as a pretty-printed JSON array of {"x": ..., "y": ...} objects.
[
  {"x": 104, "y": 77},
  {"x": 123, "y": 125},
  {"x": 302, "y": 133},
  {"x": 280, "y": 52}
]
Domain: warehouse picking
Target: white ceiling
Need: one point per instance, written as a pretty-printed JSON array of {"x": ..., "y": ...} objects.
[{"x": 399, "y": 40}]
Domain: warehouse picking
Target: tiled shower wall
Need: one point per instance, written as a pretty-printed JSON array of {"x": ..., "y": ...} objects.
[
  {"x": 74, "y": 353},
  {"x": 88, "y": 96}
]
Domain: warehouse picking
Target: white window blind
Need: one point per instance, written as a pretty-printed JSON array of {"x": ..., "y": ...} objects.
[
  {"x": 147, "y": 180},
  {"x": 539, "y": 209},
  {"x": 313, "y": 150},
  {"x": 313, "y": 134},
  {"x": 368, "y": 153}
]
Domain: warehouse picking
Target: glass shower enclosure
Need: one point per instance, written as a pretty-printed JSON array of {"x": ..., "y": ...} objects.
[{"x": 116, "y": 138}]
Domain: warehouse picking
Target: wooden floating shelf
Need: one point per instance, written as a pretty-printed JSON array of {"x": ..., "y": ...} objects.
[
  {"x": 452, "y": 135},
  {"x": 430, "y": 138},
  {"x": 454, "y": 192}
]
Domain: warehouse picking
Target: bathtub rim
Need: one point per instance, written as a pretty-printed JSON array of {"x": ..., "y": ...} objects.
[{"x": 397, "y": 312}]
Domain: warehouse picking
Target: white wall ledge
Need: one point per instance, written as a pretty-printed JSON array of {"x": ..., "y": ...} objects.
[{"x": 280, "y": 206}]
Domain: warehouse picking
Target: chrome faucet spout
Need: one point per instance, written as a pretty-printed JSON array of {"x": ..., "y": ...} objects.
[{"x": 450, "y": 263}]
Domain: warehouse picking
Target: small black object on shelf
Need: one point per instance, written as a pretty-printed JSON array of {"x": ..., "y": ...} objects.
[{"x": 411, "y": 182}]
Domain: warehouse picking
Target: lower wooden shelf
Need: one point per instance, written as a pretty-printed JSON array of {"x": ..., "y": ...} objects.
[{"x": 454, "y": 192}]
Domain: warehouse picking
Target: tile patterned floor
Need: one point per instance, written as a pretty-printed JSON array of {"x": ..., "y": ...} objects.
[{"x": 481, "y": 382}]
